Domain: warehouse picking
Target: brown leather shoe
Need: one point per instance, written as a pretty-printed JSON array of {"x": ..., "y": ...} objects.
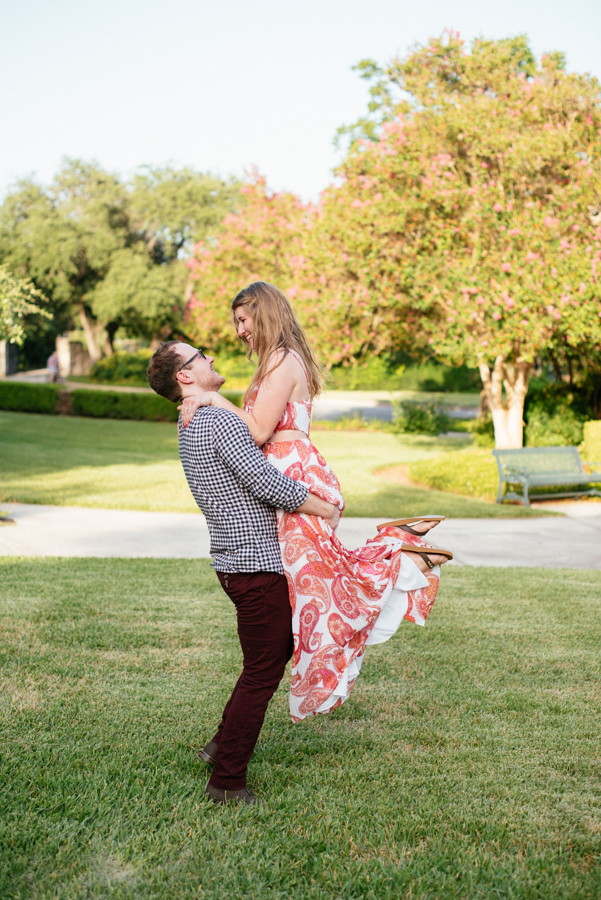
[
  {"x": 209, "y": 753},
  {"x": 218, "y": 795}
]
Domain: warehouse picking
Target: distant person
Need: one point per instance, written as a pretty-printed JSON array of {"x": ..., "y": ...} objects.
[
  {"x": 238, "y": 490},
  {"x": 341, "y": 599},
  {"x": 52, "y": 365}
]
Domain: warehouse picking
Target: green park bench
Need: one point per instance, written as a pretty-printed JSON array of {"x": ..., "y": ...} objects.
[{"x": 536, "y": 467}]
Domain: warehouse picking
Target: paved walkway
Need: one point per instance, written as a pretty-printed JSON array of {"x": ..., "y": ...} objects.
[{"x": 573, "y": 541}]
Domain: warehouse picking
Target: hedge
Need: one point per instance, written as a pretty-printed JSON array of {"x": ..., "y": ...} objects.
[
  {"x": 590, "y": 449},
  {"x": 38, "y": 398},
  {"x": 50, "y": 399},
  {"x": 122, "y": 405}
]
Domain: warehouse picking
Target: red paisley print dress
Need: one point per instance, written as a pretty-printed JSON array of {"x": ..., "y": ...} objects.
[{"x": 341, "y": 599}]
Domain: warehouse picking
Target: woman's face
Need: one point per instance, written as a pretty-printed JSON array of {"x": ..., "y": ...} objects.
[{"x": 244, "y": 323}]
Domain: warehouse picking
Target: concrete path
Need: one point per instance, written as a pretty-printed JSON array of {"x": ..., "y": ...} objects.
[{"x": 573, "y": 541}]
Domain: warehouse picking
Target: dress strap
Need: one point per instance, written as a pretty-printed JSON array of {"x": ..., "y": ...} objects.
[{"x": 299, "y": 360}]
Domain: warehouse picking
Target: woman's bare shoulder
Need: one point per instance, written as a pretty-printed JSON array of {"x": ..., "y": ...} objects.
[{"x": 281, "y": 361}]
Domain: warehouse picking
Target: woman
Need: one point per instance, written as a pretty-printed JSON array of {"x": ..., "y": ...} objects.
[{"x": 341, "y": 599}]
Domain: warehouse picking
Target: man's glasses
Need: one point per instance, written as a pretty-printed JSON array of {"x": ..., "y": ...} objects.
[{"x": 192, "y": 358}]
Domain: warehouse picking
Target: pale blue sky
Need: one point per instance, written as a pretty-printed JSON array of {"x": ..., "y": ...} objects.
[{"x": 224, "y": 85}]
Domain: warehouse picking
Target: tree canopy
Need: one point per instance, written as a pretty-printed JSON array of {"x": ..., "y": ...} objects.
[
  {"x": 473, "y": 209},
  {"x": 107, "y": 252}
]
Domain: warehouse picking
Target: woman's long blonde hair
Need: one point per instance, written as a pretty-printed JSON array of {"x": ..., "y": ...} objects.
[{"x": 275, "y": 327}]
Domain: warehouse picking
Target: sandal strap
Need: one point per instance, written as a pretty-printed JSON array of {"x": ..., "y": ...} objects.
[
  {"x": 426, "y": 559},
  {"x": 411, "y": 530}
]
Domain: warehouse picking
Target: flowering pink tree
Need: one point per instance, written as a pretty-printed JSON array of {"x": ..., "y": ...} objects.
[
  {"x": 262, "y": 241},
  {"x": 471, "y": 216},
  {"x": 275, "y": 237}
]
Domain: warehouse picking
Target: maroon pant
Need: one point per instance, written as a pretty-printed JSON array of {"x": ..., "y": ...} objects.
[{"x": 265, "y": 632}]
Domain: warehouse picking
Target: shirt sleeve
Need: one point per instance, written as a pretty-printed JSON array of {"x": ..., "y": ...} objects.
[{"x": 237, "y": 450}]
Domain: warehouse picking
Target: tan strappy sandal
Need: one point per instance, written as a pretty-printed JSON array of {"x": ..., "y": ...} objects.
[
  {"x": 404, "y": 524},
  {"x": 411, "y": 548}
]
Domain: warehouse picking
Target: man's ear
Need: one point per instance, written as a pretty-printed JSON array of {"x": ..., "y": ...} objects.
[{"x": 184, "y": 377}]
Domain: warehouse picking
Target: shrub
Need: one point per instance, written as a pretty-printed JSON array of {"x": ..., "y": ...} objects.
[
  {"x": 471, "y": 472},
  {"x": 381, "y": 373},
  {"x": 483, "y": 432},
  {"x": 38, "y": 398},
  {"x": 436, "y": 377},
  {"x": 419, "y": 418},
  {"x": 375, "y": 374},
  {"x": 590, "y": 449},
  {"x": 122, "y": 368},
  {"x": 553, "y": 429},
  {"x": 129, "y": 369}
]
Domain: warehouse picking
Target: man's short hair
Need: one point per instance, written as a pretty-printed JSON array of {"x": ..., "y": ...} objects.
[{"x": 162, "y": 369}]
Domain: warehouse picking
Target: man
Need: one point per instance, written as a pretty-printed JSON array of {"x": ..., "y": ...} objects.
[{"x": 238, "y": 491}]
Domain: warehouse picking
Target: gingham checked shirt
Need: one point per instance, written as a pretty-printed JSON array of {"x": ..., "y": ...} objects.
[{"x": 237, "y": 490}]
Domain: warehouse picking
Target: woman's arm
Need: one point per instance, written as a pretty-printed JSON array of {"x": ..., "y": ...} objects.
[{"x": 274, "y": 393}]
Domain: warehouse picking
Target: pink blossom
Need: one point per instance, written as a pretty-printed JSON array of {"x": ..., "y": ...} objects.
[
  {"x": 556, "y": 314},
  {"x": 550, "y": 222},
  {"x": 525, "y": 322},
  {"x": 582, "y": 287},
  {"x": 497, "y": 207},
  {"x": 506, "y": 267},
  {"x": 589, "y": 120},
  {"x": 496, "y": 316},
  {"x": 509, "y": 303},
  {"x": 553, "y": 273}
]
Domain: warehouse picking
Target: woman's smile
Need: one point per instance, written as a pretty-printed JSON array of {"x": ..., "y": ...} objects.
[{"x": 244, "y": 323}]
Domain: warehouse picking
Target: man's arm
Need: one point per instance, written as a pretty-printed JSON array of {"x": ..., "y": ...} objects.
[{"x": 237, "y": 449}]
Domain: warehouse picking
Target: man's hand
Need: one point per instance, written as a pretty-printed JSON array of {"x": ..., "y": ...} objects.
[
  {"x": 315, "y": 506},
  {"x": 189, "y": 405}
]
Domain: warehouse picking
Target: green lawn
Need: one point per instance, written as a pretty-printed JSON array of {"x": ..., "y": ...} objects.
[
  {"x": 466, "y": 764},
  {"x": 135, "y": 465}
]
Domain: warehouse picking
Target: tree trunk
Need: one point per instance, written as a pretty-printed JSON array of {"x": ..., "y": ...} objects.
[
  {"x": 90, "y": 333},
  {"x": 507, "y": 415}
]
